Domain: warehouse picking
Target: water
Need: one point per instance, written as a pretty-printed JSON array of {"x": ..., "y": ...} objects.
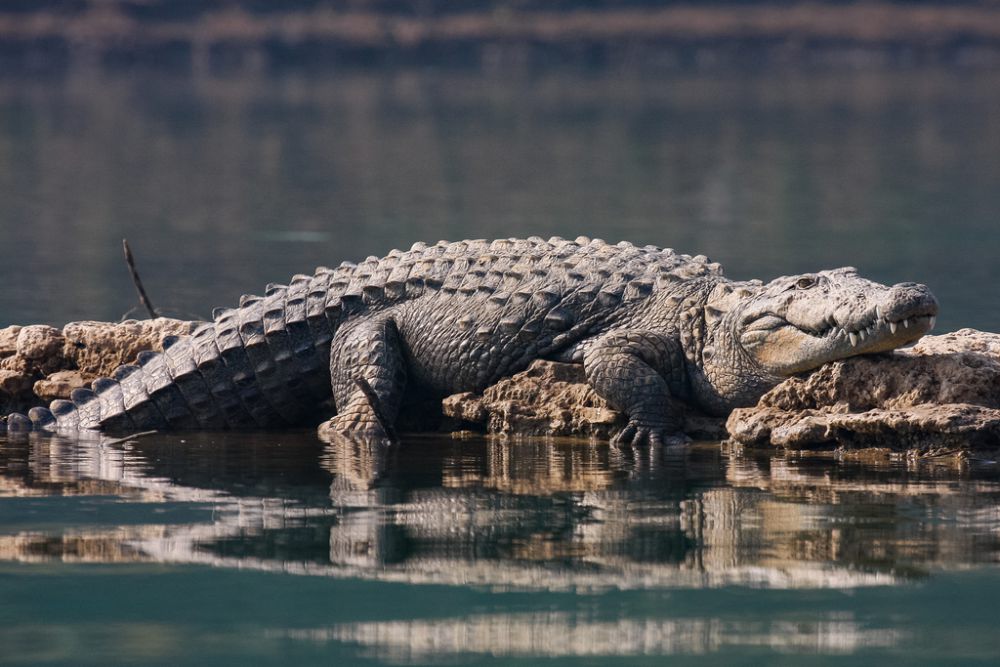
[
  {"x": 224, "y": 186},
  {"x": 278, "y": 549}
]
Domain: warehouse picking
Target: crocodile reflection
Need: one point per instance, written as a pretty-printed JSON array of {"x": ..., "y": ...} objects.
[{"x": 531, "y": 515}]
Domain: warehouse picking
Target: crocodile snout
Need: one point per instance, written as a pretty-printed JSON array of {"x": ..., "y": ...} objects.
[{"x": 909, "y": 300}]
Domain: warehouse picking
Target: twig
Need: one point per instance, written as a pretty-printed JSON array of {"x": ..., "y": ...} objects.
[
  {"x": 127, "y": 438},
  {"x": 130, "y": 261}
]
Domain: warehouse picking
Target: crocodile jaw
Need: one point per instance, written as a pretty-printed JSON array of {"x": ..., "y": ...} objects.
[{"x": 844, "y": 316}]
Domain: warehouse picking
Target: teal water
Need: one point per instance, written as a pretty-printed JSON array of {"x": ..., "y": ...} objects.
[
  {"x": 224, "y": 186},
  {"x": 274, "y": 549},
  {"x": 278, "y": 549}
]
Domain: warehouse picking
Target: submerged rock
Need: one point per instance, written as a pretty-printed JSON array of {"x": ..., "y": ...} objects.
[{"x": 942, "y": 393}]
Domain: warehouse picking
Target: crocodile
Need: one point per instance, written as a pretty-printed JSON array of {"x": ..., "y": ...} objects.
[{"x": 653, "y": 328}]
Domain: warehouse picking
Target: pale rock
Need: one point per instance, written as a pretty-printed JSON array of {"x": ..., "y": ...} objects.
[
  {"x": 60, "y": 385},
  {"x": 942, "y": 392},
  {"x": 38, "y": 341},
  {"x": 8, "y": 340},
  {"x": 48, "y": 363},
  {"x": 552, "y": 399},
  {"x": 14, "y": 383},
  {"x": 96, "y": 349}
]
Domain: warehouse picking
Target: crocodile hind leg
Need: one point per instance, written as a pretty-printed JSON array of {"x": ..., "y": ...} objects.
[
  {"x": 368, "y": 374},
  {"x": 640, "y": 373}
]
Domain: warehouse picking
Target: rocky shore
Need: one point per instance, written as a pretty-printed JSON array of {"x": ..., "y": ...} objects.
[
  {"x": 242, "y": 35},
  {"x": 40, "y": 363},
  {"x": 941, "y": 395}
]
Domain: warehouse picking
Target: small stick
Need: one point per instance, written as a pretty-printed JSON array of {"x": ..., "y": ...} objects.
[
  {"x": 128, "y": 438},
  {"x": 143, "y": 299}
]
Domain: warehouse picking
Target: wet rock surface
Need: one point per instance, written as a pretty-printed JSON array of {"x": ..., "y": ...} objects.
[
  {"x": 943, "y": 393},
  {"x": 40, "y": 363}
]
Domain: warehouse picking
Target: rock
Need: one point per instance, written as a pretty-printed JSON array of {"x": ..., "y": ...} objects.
[
  {"x": 40, "y": 363},
  {"x": 466, "y": 407},
  {"x": 943, "y": 392},
  {"x": 15, "y": 383},
  {"x": 18, "y": 363},
  {"x": 59, "y": 385},
  {"x": 38, "y": 341},
  {"x": 548, "y": 398},
  {"x": 551, "y": 398},
  {"x": 97, "y": 348},
  {"x": 8, "y": 340}
]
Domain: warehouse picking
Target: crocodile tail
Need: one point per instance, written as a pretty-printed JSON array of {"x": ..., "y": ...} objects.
[
  {"x": 203, "y": 381},
  {"x": 163, "y": 390},
  {"x": 37, "y": 419},
  {"x": 15, "y": 422},
  {"x": 262, "y": 364}
]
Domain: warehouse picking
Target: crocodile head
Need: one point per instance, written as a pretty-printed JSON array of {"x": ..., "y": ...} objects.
[{"x": 798, "y": 323}]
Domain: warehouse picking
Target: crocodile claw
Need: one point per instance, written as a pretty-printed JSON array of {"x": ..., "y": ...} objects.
[
  {"x": 346, "y": 427},
  {"x": 641, "y": 435}
]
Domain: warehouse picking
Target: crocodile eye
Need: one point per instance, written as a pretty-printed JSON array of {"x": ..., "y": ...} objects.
[{"x": 805, "y": 282}]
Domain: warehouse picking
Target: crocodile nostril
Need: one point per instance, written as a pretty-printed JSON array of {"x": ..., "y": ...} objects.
[{"x": 908, "y": 300}]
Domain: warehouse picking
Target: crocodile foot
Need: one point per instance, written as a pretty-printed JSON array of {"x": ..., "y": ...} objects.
[
  {"x": 639, "y": 434},
  {"x": 350, "y": 427}
]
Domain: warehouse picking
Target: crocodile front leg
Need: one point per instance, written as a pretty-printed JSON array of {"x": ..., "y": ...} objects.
[
  {"x": 368, "y": 374},
  {"x": 639, "y": 373}
]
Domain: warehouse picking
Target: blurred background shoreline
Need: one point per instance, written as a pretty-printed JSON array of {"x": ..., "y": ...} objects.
[
  {"x": 224, "y": 184},
  {"x": 55, "y": 37},
  {"x": 238, "y": 142}
]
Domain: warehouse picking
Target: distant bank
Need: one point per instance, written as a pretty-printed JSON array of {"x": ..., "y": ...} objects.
[{"x": 220, "y": 36}]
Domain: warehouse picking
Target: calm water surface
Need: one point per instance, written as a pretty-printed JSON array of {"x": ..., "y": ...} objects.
[
  {"x": 225, "y": 186},
  {"x": 278, "y": 549}
]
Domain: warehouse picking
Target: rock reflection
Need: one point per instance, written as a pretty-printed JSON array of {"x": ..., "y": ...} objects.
[
  {"x": 559, "y": 634},
  {"x": 522, "y": 516}
]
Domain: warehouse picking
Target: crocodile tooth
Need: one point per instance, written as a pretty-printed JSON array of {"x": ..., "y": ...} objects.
[
  {"x": 906, "y": 323},
  {"x": 933, "y": 321},
  {"x": 862, "y": 333},
  {"x": 854, "y": 339},
  {"x": 878, "y": 312},
  {"x": 892, "y": 327}
]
